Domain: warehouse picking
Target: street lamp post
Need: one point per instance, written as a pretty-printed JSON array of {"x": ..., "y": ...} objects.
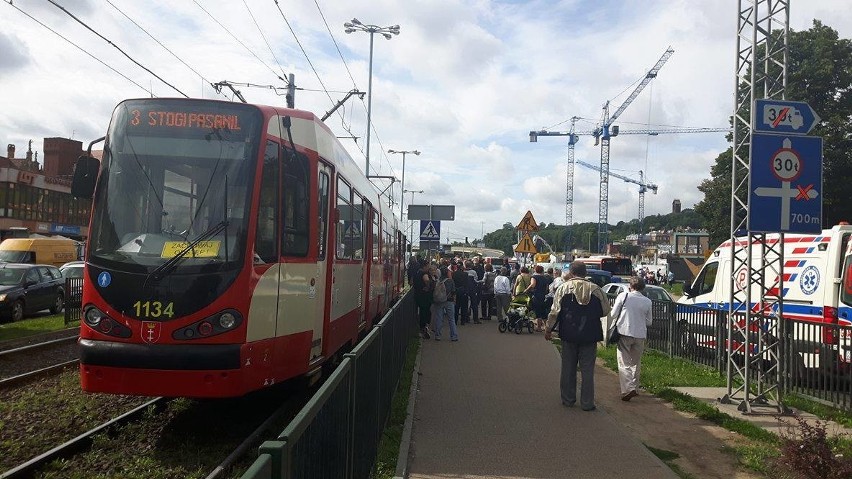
[
  {"x": 402, "y": 181},
  {"x": 353, "y": 26},
  {"x": 411, "y": 223}
]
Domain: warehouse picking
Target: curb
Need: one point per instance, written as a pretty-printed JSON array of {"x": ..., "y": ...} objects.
[{"x": 405, "y": 441}]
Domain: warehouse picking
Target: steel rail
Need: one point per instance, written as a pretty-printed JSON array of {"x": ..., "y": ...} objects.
[
  {"x": 30, "y": 347},
  {"x": 28, "y": 468},
  {"x": 15, "y": 380}
]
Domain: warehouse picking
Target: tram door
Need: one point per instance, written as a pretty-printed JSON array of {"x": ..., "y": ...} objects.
[{"x": 321, "y": 290}]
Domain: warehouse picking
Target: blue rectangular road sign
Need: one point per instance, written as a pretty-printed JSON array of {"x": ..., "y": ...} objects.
[
  {"x": 430, "y": 230},
  {"x": 785, "y": 189},
  {"x": 779, "y": 116}
]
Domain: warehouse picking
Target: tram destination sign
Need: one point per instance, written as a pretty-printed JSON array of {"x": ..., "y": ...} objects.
[{"x": 432, "y": 212}]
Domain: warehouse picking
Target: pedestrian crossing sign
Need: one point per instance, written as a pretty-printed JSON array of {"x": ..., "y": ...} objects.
[
  {"x": 527, "y": 223},
  {"x": 526, "y": 245},
  {"x": 430, "y": 230}
]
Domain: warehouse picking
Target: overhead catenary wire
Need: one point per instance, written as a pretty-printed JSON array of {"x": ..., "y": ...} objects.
[
  {"x": 351, "y": 77},
  {"x": 52, "y": 2},
  {"x": 265, "y": 40},
  {"x": 241, "y": 43},
  {"x": 81, "y": 49},
  {"x": 152, "y": 37}
]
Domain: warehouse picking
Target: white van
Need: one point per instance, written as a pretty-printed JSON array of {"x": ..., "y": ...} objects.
[{"x": 812, "y": 277}]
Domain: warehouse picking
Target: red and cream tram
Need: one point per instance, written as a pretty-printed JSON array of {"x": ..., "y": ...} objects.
[{"x": 231, "y": 247}]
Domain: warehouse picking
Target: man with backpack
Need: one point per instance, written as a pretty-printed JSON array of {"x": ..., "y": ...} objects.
[
  {"x": 443, "y": 305},
  {"x": 578, "y": 306}
]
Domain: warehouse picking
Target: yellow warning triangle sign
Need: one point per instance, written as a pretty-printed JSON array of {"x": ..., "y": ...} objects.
[
  {"x": 526, "y": 245},
  {"x": 527, "y": 223}
]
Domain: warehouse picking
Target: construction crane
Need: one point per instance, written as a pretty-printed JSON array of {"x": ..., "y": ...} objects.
[
  {"x": 573, "y": 137},
  {"x": 604, "y": 135},
  {"x": 643, "y": 187}
]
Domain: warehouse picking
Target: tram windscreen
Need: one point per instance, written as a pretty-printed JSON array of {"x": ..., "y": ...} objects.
[{"x": 173, "y": 171}]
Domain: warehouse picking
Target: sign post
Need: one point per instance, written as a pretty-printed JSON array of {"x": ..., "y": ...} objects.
[{"x": 525, "y": 244}]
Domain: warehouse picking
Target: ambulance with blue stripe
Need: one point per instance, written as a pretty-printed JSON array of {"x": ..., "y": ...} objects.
[{"x": 816, "y": 291}]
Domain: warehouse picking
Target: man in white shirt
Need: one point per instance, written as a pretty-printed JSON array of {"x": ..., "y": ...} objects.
[
  {"x": 632, "y": 312},
  {"x": 502, "y": 293}
]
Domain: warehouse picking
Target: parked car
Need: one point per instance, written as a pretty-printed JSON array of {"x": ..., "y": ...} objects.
[
  {"x": 662, "y": 309},
  {"x": 29, "y": 288},
  {"x": 74, "y": 271}
]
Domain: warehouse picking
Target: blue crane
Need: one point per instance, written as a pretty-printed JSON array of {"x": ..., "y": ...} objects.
[
  {"x": 643, "y": 187},
  {"x": 573, "y": 138},
  {"x": 605, "y": 132}
]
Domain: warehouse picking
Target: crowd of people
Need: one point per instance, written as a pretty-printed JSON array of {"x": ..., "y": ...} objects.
[{"x": 459, "y": 291}]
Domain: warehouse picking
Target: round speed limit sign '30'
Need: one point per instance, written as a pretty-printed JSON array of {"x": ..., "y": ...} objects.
[
  {"x": 742, "y": 278},
  {"x": 786, "y": 164}
]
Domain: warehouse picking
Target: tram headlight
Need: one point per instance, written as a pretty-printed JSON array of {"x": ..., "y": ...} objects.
[
  {"x": 2, "y": 298},
  {"x": 227, "y": 320},
  {"x": 94, "y": 316}
]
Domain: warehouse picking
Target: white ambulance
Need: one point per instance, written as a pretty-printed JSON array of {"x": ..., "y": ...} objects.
[{"x": 816, "y": 292}]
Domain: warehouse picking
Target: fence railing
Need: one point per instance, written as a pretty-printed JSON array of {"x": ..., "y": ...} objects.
[
  {"x": 336, "y": 434},
  {"x": 816, "y": 358},
  {"x": 73, "y": 299}
]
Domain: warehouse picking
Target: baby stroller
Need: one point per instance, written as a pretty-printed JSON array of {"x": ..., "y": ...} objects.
[{"x": 519, "y": 316}]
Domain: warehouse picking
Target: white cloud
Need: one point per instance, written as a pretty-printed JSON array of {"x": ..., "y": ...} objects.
[{"x": 464, "y": 82}]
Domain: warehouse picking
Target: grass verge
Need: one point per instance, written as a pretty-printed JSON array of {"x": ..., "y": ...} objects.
[
  {"x": 668, "y": 457},
  {"x": 33, "y": 326},
  {"x": 388, "y": 453},
  {"x": 660, "y": 374}
]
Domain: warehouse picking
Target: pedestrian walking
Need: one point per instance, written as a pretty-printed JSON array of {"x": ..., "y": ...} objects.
[
  {"x": 633, "y": 316},
  {"x": 486, "y": 295},
  {"x": 502, "y": 293},
  {"x": 474, "y": 284},
  {"x": 578, "y": 306},
  {"x": 443, "y": 305},
  {"x": 462, "y": 312},
  {"x": 423, "y": 285},
  {"x": 412, "y": 268},
  {"x": 538, "y": 290}
]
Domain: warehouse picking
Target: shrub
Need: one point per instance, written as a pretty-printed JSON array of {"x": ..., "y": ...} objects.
[{"x": 807, "y": 453}]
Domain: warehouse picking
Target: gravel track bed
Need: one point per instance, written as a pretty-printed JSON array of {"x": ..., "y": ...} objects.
[
  {"x": 187, "y": 440},
  {"x": 38, "y": 338},
  {"x": 50, "y": 411},
  {"x": 24, "y": 362}
]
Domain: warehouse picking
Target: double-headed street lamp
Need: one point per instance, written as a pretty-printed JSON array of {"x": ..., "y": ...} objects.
[
  {"x": 402, "y": 182},
  {"x": 353, "y": 26}
]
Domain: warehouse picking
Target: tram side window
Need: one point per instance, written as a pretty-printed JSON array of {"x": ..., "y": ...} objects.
[
  {"x": 344, "y": 207},
  {"x": 267, "y": 212},
  {"x": 295, "y": 206},
  {"x": 357, "y": 235},
  {"x": 323, "y": 214}
]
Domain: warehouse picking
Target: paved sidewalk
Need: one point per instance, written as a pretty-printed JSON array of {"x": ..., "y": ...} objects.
[{"x": 489, "y": 406}]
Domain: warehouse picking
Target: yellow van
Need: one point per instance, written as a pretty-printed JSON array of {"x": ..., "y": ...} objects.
[{"x": 38, "y": 251}]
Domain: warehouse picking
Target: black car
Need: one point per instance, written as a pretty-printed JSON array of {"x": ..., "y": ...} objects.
[
  {"x": 74, "y": 272},
  {"x": 28, "y": 288}
]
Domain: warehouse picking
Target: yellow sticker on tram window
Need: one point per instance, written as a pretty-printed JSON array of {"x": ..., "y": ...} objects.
[{"x": 205, "y": 249}]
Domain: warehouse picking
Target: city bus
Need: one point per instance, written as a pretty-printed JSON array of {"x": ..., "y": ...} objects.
[{"x": 617, "y": 266}]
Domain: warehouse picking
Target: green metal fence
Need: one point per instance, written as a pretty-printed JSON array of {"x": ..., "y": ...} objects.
[
  {"x": 73, "y": 295},
  {"x": 336, "y": 434}
]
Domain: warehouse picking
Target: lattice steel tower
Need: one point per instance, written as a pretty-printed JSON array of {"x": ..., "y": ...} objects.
[{"x": 755, "y": 371}]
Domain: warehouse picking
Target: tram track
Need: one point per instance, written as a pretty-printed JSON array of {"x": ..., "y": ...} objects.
[
  {"x": 68, "y": 448},
  {"x": 21, "y": 361}
]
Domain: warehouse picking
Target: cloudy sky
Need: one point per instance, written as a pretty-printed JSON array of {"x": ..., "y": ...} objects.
[{"x": 464, "y": 83}]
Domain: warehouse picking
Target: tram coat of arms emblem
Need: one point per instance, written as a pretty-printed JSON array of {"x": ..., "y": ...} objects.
[{"x": 151, "y": 331}]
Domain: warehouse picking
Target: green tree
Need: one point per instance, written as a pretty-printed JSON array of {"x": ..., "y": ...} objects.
[{"x": 818, "y": 73}]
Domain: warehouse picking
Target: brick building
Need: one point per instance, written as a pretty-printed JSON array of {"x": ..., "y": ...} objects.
[{"x": 36, "y": 199}]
